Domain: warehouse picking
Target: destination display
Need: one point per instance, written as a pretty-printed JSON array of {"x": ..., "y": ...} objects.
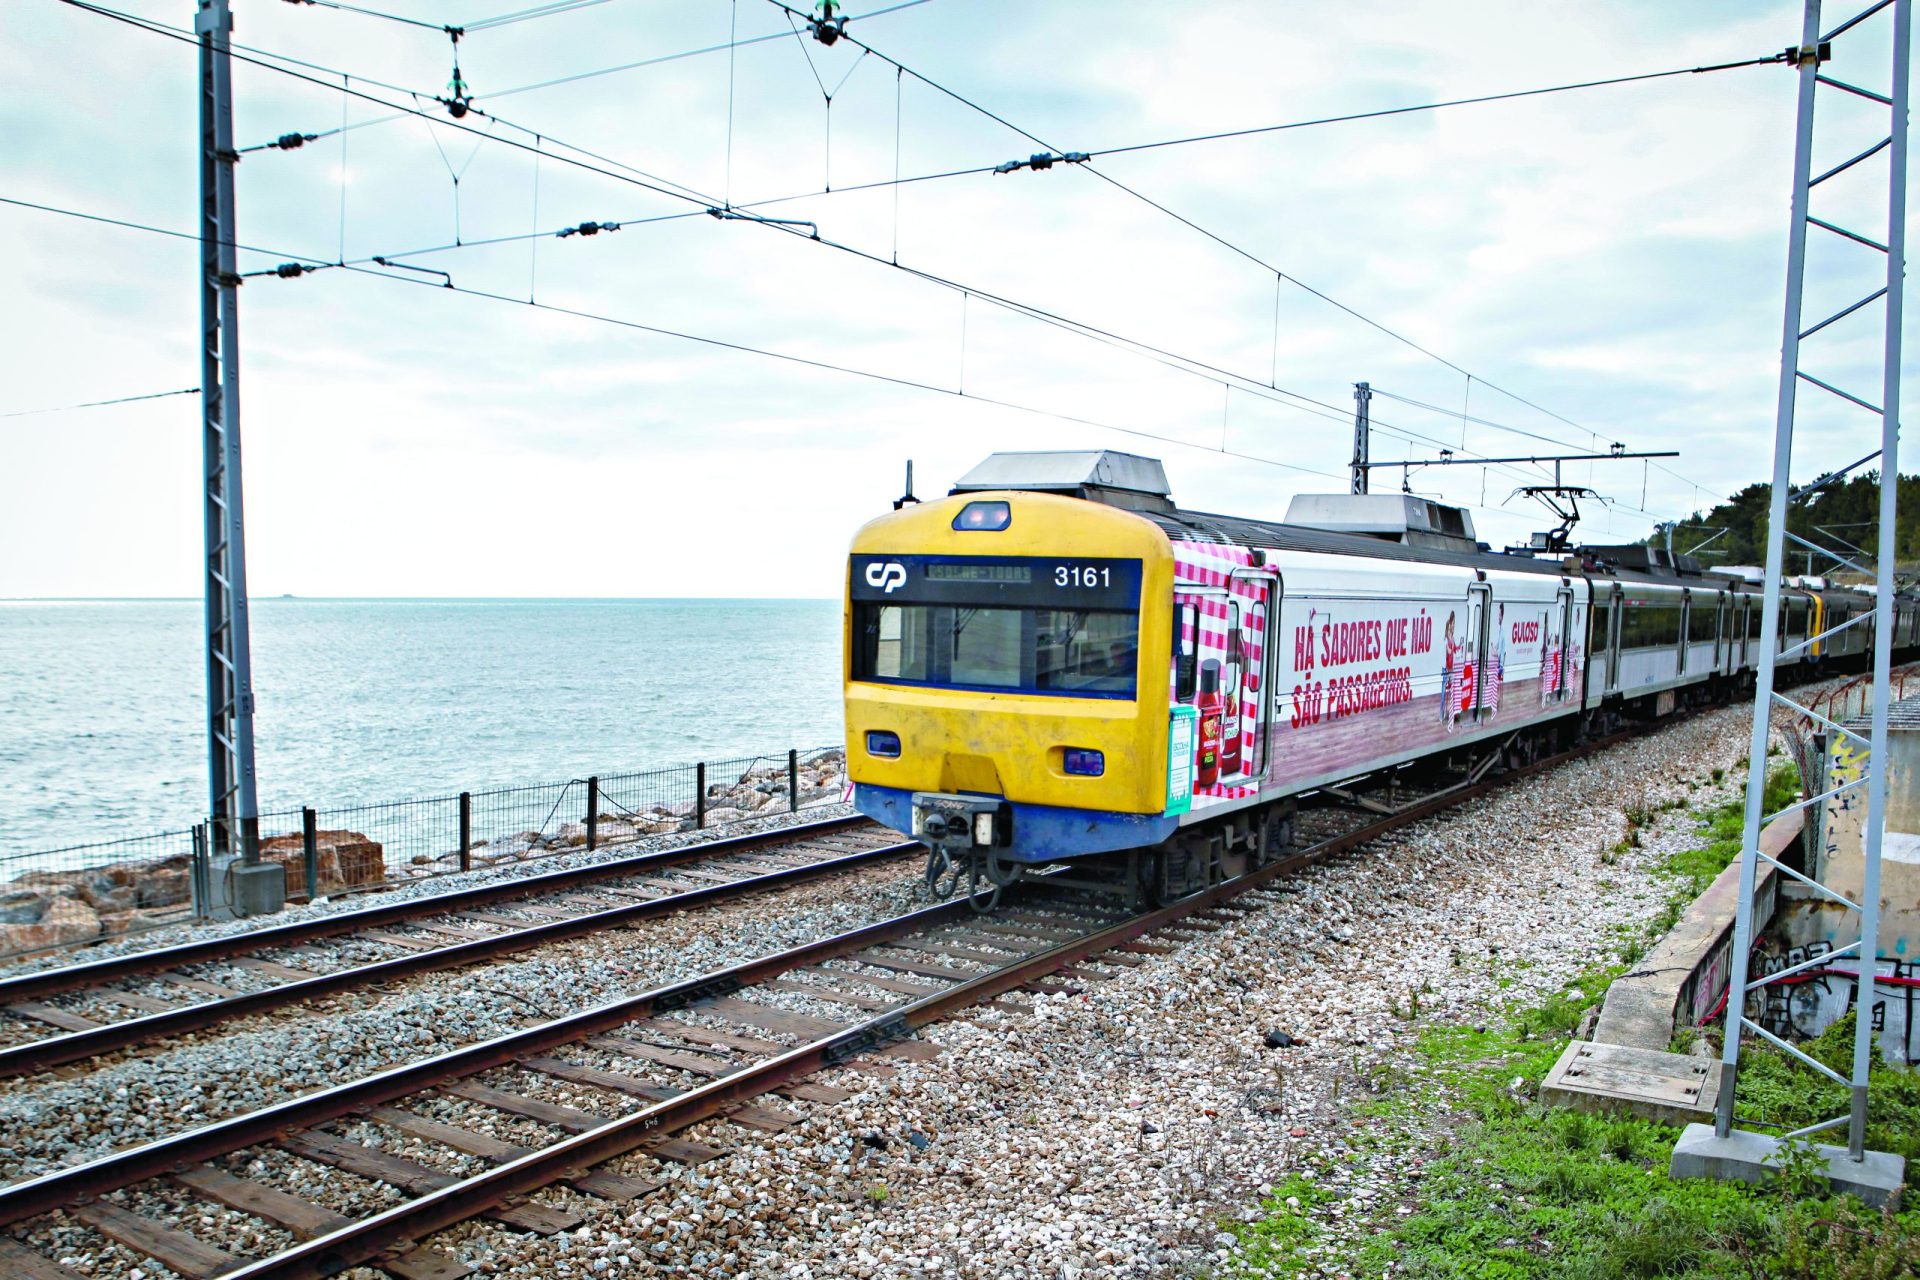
[
  {"x": 1080, "y": 582},
  {"x": 1020, "y": 574}
]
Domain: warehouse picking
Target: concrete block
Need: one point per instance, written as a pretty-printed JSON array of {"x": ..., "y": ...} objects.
[
  {"x": 1742, "y": 1156},
  {"x": 259, "y": 890},
  {"x": 1671, "y": 1088}
]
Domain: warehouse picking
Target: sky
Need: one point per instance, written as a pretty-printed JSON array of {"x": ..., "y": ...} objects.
[{"x": 1613, "y": 257}]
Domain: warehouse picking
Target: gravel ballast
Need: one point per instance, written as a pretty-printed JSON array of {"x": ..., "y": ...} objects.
[
  {"x": 1110, "y": 1133},
  {"x": 1107, "y": 1132}
]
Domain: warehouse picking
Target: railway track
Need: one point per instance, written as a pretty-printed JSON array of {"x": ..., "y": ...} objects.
[
  {"x": 597, "y": 1100},
  {"x": 100, "y": 1006}
]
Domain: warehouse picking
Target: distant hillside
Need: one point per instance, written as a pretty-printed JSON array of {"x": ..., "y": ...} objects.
[{"x": 1848, "y": 509}]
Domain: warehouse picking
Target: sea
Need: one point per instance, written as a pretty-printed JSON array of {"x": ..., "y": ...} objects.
[{"x": 103, "y": 702}]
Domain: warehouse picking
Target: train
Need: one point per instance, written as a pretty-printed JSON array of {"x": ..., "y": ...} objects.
[{"x": 1056, "y": 667}]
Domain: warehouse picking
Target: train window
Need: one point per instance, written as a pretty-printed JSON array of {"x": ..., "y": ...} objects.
[
  {"x": 1062, "y": 651},
  {"x": 1648, "y": 626},
  {"x": 1602, "y": 621},
  {"x": 1701, "y": 622},
  {"x": 891, "y": 654},
  {"x": 1186, "y": 647},
  {"x": 1756, "y": 618}
]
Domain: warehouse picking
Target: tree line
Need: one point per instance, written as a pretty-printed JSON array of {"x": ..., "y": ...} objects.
[{"x": 1846, "y": 511}]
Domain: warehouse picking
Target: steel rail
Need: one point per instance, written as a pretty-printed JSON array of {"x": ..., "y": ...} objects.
[
  {"x": 93, "y": 973},
  {"x": 74, "y": 1046},
  {"x": 413, "y": 1220},
  {"x": 419, "y": 1218},
  {"x": 96, "y": 1177}
]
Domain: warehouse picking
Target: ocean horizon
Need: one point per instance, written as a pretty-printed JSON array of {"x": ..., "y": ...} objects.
[{"x": 360, "y": 699}]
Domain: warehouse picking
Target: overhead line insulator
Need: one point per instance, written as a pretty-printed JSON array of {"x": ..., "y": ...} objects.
[{"x": 1043, "y": 160}]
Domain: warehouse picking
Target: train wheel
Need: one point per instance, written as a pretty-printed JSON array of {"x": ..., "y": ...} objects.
[{"x": 1168, "y": 873}]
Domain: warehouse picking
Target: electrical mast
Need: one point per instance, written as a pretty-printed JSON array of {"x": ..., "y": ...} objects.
[
  {"x": 1722, "y": 1149},
  {"x": 233, "y": 830}
]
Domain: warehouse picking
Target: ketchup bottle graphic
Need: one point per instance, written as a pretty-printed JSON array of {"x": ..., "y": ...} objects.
[
  {"x": 1207, "y": 762},
  {"x": 1230, "y": 697}
]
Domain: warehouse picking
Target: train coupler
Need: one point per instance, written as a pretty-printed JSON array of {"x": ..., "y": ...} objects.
[{"x": 963, "y": 834}]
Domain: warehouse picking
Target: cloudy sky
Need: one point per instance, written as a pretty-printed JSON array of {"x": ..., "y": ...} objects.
[{"x": 1615, "y": 256}]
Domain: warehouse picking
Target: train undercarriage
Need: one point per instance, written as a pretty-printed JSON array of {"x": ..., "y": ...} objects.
[{"x": 1205, "y": 854}]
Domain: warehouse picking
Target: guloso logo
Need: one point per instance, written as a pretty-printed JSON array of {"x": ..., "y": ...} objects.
[{"x": 887, "y": 575}]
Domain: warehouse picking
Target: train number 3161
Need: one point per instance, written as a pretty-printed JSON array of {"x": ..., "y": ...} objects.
[{"x": 1076, "y": 575}]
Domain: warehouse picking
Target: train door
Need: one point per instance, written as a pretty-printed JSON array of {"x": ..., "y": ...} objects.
[
  {"x": 1223, "y": 652},
  {"x": 1686, "y": 621},
  {"x": 1252, "y": 640},
  {"x": 1617, "y": 607},
  {"x": 1475, "y": 676},
  {"x": 1722, "y": 636},
  {"x": 1555, "y": 669}
]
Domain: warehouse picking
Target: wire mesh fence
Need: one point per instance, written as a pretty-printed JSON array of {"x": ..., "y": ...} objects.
[{"x": 52, "y": 897}]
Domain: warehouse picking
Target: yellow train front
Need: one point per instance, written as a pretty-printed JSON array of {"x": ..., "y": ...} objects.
[{"x": 1006, "y": 694}]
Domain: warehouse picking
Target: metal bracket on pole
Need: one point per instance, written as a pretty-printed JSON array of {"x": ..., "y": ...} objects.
[{"x": 1723, "y": 1150}]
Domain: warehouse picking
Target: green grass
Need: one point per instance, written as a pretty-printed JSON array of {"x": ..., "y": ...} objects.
[
  {"x": 1518, "y": 1190},
  {"x": 1514, "y": 1190},
  {"x": 1271, "y": 1246},
  {"x": 1694, "y": 869}
]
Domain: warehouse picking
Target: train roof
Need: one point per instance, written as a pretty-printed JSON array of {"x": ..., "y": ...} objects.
[
  {"x": 1198, "y": 526},
  {"x": 1375, "y": 526}
]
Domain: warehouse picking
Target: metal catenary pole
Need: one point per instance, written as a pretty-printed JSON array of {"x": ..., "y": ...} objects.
[
  {"x": 1809, "y": 70},
  {"x": 1812, "y": 52},
  {"x": 233, "y": 808},
  {"x": 1362, "y": 432},
  {"x": 1888, "y": 550}
]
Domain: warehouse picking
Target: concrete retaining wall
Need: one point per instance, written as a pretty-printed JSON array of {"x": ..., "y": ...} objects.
[{"x": 1679, "y": 981}]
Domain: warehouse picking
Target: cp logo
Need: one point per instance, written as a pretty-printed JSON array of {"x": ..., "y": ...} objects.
[{"x": 887, "y": 576}]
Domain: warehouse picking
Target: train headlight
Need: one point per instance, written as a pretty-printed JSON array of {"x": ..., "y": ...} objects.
[
  {"x": 1083, "y": 762},
  {"x": 883, "y": 742},
  {"x": 984, "y": 517},
  {"x": 983, "y": 828}
]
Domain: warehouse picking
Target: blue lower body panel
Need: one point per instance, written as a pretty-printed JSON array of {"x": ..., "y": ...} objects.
[{"x": 1041, "y": 833}]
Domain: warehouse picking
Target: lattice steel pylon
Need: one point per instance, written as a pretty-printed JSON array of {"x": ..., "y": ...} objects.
[
  {"x": 1813, "y": 51},
  {"x": 233, "y": 813}
]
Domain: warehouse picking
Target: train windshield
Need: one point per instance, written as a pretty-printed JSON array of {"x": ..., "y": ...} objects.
[
  {"x": 1000, "y": 624},
  {"x": 1082, "y": 652}
]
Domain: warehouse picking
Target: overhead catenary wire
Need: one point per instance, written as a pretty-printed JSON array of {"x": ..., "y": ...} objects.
[
  {"x": 701, "y": 339},
  {"x": 745, "y": 348},
  {"x": 1081, "y": 159},
  {"x": 552, "y": 10},
  {"x": 633, "y": 176},
  {"x": 373, "y": 13},
  {"x": 683, "y": 193},
  {"x": 896, "y": 182},
  {"x": 99, "y": 404},
  {"x": 1173, "y": 359},
  {"x": 1251, "y": 384},
  {"x": 1458, "y": 415},
  {"x": 1383, "y": 112}
]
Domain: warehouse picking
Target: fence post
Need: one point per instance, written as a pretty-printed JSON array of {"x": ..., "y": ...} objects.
[
  {"x": 700, "y": 795},
  {"x": 310, "y": 850},
  {"x": 201, "y": 881},
  {"x": 466, "y": 831},
  {"x": 793, "y": 780},
  {"x": 593, "y": 813}
]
